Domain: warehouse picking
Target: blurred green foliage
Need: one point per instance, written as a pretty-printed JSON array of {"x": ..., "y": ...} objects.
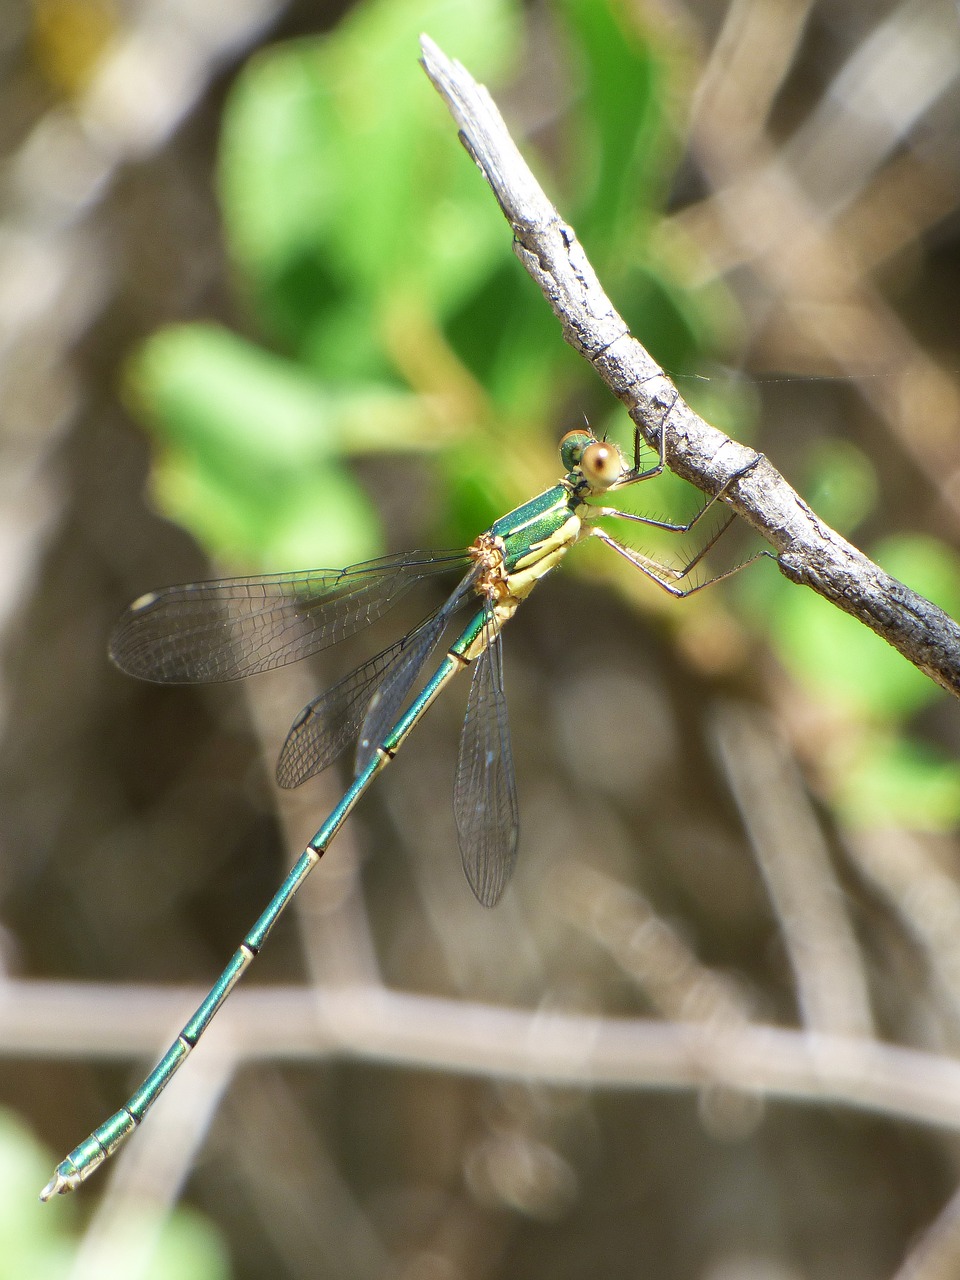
[
  {"x": 391, "y": 316},
  {"x": 381, "y": 277},
  {"x": 40, "y": 1241}
]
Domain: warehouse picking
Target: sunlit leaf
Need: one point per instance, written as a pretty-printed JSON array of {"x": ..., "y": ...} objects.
[
  {"x": 300, "y": 520},
  {"x": 339, "y": 184},
  {"x": 251, "y": 451},
  {"x": 621, "y": 126}
]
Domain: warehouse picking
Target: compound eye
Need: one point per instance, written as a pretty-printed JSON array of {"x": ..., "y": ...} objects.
[
  {"x": 572, "y": 446},
  {"x": 601, "y": 464}
]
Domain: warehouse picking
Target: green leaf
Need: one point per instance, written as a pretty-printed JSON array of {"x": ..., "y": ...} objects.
[
  {"x": 231, "y": 402},
  {"x": 211, "y": 391},
  {"x": 621, "y": 126},
  {"x": 251, "y": 451},
  {"x": 339, "y": 184},
  {"x": 302, "y": 521},
  {"x": 374, "y": 257},
  {"x": 34, "y": 1241}
]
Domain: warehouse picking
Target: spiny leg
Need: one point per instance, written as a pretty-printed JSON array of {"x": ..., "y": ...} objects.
[
  {"x": 653, "y": 569},
  {"x": 658, "y": 572},
  {"x": 638, "y": 473},
  {"x": 670, "y": 526}
]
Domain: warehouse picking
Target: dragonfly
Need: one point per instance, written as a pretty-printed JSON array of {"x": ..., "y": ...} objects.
[{"x": 224, "y": 630}]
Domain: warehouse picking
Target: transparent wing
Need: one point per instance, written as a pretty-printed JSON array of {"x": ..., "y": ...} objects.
[
  {"x": 212, "y": 631},
  {"x": 384, "y": 708},
  {"x": 485, "y": 792},
  {"x": 331, "y": 722}
]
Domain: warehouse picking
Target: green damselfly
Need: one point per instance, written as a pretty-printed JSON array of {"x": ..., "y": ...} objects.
[{"x": 216, "y": 631}]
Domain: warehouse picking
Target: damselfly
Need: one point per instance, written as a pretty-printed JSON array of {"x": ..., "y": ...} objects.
[{"x": 213, "y": 631}]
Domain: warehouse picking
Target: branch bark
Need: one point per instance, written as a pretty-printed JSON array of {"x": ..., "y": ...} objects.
[
  {"x": 807, "y": 550},
  {"x": 372, "y": 1023}
]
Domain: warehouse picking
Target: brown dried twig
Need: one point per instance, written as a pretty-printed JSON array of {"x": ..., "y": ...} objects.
[
  {"x": 369, "y": 1022},
  {"x": 807, "y": 550}
]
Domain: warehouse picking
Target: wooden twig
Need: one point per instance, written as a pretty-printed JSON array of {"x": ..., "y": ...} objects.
[
  {"x": 376, "y": 1024},
  {"x": 808, "y": 551}
]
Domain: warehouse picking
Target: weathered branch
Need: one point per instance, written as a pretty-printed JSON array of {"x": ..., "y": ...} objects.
[
  {"x": 376, "y": 1024},
  {"x": 808, "y": 551}
]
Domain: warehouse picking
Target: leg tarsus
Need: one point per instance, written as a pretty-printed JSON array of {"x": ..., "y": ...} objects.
[
  {"x": 652, "y": 569},
  {"x": 637, "y": 473},
  {"x": 668, "y": 525}
]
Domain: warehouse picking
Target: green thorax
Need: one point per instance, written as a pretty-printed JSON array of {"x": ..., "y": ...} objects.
[{"x": 538, "y": 521}]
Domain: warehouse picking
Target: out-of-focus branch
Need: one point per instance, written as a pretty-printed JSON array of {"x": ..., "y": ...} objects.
[
  {"x": 808, "y": 551},
  {"x": 646, "y": 948},
  {"x": 39, "y": 1019},
  {"x": 811, "y": 218},
  {"x": 787, "y": 841}
]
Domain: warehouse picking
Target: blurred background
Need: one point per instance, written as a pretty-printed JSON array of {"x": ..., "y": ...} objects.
[{"x": 258, "y": 311}]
